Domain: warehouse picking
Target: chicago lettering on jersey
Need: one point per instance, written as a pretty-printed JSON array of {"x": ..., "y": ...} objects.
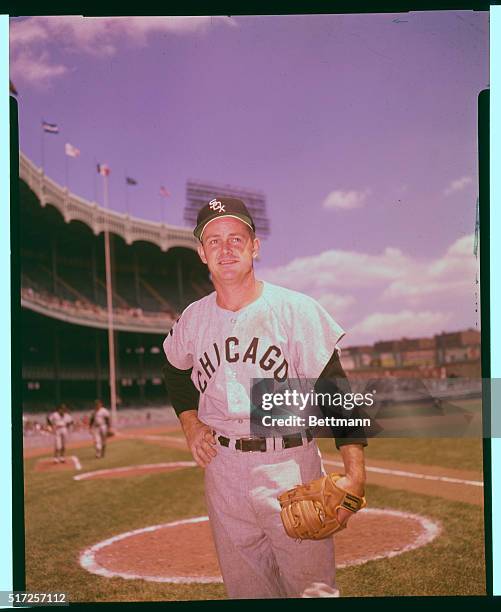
[{"x": 270, "y": 359}]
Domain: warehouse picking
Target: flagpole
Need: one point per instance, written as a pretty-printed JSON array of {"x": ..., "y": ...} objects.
[
  {"x": 66, "y": 170},
  {"x": 43, "y": 147},
  {"x": 95, "y": 181},
  {"x": 109, "y": 300},
  {"x": 162, "y": 210},
  {"x": 126, "y": 194}
]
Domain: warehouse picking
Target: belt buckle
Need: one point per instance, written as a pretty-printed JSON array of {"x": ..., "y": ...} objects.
[{"x": 240, "y": 444}]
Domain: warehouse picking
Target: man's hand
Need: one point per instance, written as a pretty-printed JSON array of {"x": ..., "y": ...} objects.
[
  {"x": 199, "y": 437},
  {"x": 354, "y": 481}
]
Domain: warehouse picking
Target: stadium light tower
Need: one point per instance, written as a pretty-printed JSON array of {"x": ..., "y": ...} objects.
[{"x": 105, "y": 171}]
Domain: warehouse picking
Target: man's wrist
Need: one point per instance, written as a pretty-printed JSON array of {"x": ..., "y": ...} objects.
[
  {"x": 189, "y": 418},
  {"x": 357, "y": 485},
  {"x": 354, "y": 467}
]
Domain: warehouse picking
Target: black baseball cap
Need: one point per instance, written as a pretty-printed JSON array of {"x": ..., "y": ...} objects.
[{"x": 222, "y": 207}]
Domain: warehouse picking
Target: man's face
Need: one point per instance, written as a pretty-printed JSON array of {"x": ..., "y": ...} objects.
[{"x": 228, "y": 249}]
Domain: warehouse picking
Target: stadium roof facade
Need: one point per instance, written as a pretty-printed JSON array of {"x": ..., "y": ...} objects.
[{"x": 99, "y": 219}]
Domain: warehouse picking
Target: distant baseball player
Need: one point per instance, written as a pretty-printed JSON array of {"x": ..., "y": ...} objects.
[
  {"x": 249, "y": 329},
  {"x": 59, "y": 422},
  {"x": 99, "y": 426}
]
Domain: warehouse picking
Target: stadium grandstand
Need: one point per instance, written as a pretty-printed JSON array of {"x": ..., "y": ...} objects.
[{"x": 156, "y": 273}]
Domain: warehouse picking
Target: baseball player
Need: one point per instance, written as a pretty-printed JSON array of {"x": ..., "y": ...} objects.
[
  {"x": 250, "y": 329},
  {"x": 59, "y": 423},
  {"x": 99, "y": 426}
]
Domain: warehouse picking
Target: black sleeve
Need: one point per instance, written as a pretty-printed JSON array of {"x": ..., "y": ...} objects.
[
  {"x": 182, "y": 392},
  {"x": 334, "y": 380}
]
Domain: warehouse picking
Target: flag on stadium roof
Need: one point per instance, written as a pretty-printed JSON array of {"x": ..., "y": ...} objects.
[
  {"x": 71, "y": 151},
  {"x": 12, "y": 89},
  {"x": 130, "y": 181},
  {"x": 164, "y": 192},
  {"x": 52, "y": 128},
  {"x": 103, "y": 169}
]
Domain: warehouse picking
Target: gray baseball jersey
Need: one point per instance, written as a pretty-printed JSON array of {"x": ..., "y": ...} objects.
[
  {"x": 60, "y": 421},
  {"x": 99, "y": 429},
  {"x": 60, "y": 424},
  {"x": 100, "y": 417},
  {"x": 283, "y": 334}
]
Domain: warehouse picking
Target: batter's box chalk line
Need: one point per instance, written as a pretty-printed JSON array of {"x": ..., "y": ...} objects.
[
  {"x": 128, "y": 468},
  {"x": 429, "y": 531},
  {"x": 73, "y": 458},
  {"x": 76, "y": 462}
]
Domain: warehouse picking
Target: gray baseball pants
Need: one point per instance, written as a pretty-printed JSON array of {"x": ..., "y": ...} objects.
[
  {"x": 99, "y": 434},
  {"x": 256, "y": 557},
  {"x": 60, "y": 434}
]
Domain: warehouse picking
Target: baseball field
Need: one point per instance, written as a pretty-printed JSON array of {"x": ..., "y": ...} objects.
[{"x": 132, "y": 526}]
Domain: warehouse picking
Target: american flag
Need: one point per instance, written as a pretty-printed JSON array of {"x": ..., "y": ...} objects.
[
  {"x": 103, "y": 169},
  {"x": 52, "y": 128},
  {"x": 164, "y": 193},
  {"x": 71, "y": 151}
]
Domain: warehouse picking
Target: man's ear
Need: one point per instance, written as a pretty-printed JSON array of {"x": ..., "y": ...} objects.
[
  {"x": 201, "y": 254},
  {"x": 256, "y": 245}
]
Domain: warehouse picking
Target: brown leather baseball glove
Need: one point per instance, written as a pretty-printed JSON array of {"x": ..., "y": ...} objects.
[{"x": 309, "y": 511}]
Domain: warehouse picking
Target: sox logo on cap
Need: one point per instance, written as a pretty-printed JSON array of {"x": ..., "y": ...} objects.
[{"x": 216, "y": 205}]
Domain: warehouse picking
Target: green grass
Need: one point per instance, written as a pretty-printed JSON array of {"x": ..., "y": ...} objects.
[
  {"x": 64, "y": 516},
  {"x": 453, "y": 564},
  {"x": 459, "y": 453},
  {"x": 463, "y": 453}
]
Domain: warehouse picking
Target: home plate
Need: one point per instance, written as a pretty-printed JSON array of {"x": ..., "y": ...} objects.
[{"x": 183, "y": 551}]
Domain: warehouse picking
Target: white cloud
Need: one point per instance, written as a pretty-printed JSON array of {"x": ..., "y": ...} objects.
[
  {"x": 97, "y": 36},
  {"x": 346, "y": 200},
  {"x": 342, "y": 269},
  {"x": 26, "y": 31},
  {"x": 36, "y": 70},
  {"x": 387, "y": 294},
  {"x": 336, "y": 304},
  {"x": 408, "y": 323},
  {"x": 462, "y": 247},
  {"x": 457, "y": 185},
  {"x": 451, "y": 275}
]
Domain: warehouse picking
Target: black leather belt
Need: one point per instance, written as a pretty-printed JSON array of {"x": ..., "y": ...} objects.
[{"x": 247, "y": 445}]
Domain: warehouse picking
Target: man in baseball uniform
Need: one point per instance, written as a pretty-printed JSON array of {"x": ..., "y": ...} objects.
[
  {"x": 249, "y": 329},
  {"x": 59, "y": 422},
  {"x": 99, "y": 426}
]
